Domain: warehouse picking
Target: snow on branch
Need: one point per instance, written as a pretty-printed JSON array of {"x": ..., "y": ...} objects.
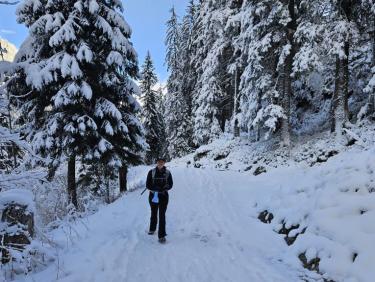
[{"x": 9, "y": 2}]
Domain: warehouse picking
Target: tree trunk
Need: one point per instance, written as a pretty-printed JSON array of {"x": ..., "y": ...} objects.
[
  {"x": 371, "y": 98},
  {"x": 107, "y": 195},
  {"x": 346, "y": 82},
  {"x": 72, "y": 189},
  {"x": 287, "y": 93},
  {"x": 257, "y": 127},
  {"x": 340, "y": 108},
  {"x": 287, "y": 76},
  {"x": 236, "y": 109},
  {"x": 123, "y": 172},
  {"x": 334, "y": 96}
]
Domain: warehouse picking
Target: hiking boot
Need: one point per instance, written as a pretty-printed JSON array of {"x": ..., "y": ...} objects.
[
  {"x": 162, "y": 240},
  {"x": 151, "y": 232}
]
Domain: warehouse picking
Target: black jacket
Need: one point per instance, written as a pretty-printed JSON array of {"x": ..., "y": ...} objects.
[{"x": 162, "y": 181}]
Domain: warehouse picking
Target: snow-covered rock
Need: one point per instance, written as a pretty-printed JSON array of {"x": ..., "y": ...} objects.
[
  {"x": 17, "y": 222},
  {"x": 17, "y": 196}
]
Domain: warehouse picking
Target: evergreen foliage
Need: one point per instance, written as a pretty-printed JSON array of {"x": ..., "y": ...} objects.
[
  {"x": 152, "y": 117},
  {"x": 272, "y": 69},
  {"x": 74, "y": 75}
]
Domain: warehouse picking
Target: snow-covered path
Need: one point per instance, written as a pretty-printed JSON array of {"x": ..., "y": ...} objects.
[{"x": 211, "y": 237}]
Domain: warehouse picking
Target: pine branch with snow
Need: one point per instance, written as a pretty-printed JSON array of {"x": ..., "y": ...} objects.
[{"x": 77, "y": 66}]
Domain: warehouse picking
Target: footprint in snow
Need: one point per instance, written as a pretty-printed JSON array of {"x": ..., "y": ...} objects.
[{"x": 202, "y": 238}]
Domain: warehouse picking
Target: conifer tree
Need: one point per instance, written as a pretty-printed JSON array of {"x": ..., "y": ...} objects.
[
  {"x": 150, "y": 113},
  {"x": 8, "y": 159},
  {"x": 76, "y": 71},
  {"x": 280, "y": 66},
  {"x": 160, "y": 94},
  {"x": 207, "y": 91},
  {"x": 187, "y": 77},
  {"x": 369, "y": 5},
  {"x": 177, "y": 110}
]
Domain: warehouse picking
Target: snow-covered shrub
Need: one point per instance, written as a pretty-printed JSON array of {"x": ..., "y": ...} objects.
[
  {"x": 52, "y": 200},
  {"x": 21, "y": 248}
]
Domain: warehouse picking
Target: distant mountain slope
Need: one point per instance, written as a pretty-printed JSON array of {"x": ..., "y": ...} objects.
[{"x": 11, "y": 50}]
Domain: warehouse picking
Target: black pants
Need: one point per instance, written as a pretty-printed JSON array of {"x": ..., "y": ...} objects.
[{"x": 161, "y": 207}]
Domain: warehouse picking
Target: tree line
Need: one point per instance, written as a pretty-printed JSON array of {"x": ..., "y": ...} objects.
[{"x": 268, "y": 69}]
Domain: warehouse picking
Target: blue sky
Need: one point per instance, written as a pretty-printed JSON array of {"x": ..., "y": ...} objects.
[{"x": 146, "y": 17}]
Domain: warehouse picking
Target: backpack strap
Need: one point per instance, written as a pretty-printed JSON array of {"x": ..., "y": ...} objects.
[{"x": 153, "y": 173}]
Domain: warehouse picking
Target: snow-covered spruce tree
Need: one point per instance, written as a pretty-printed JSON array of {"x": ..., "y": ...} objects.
[
  {"x": 371, "y": 84},
  {"x": 342, "y": 32},
  {"x": 370, "y": 89},
  {"x": 12, "y": 148},
  {"x": 234, "y": 61},
  {"x": 16, "y": 156},
  {"x": 327, "y": 34},
  {"x": 221, "y": 61},
  {"x": 177, "y": 110},
  {"x": 160, "y": 98},
  {"x": 262, "y": 83},
  {"x": 6, "y": 144},
  {"x": 285, "y": 66},
  {"x": 187, "y": 78},
  {"x": 76, "y": 77},
  {"x": 208, "y": 91},
  {"x": 152, "y": 118},
  {"x": 343, "y": 25},
  {"x": 284, "y": 54},
  {"x": 368, "y": 24},
  {"x": 8, "y": 139},
  {"x": 279, "y": 44},
  {"x": 249, "y": 103}
]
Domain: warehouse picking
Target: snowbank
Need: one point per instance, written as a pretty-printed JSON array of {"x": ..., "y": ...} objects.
[
  {"x": 321, "y": 196},
  {"x": 19, "y": 196},
  {"x": 331, "y": 210},
  {"x": 240, "y": 154}
]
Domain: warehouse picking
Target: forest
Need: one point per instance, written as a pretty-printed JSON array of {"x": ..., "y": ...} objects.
[
  {"x": 268, "y": 69},
  {"x": 271, "y": 92}
]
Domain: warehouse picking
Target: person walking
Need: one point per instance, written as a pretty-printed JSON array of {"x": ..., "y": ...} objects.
[{"x": 159, "y": 182}]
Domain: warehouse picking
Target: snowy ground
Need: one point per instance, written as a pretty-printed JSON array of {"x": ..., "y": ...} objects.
[
  {"x": 213, "y": 229},
  {"x": 212, "y": 236}
]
